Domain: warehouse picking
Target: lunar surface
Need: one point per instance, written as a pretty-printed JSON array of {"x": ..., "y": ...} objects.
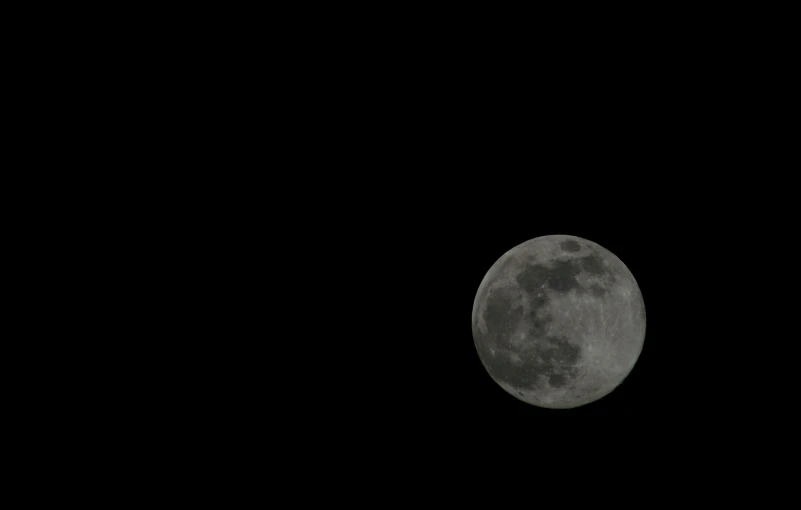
[{"x": 558, "y": 321}]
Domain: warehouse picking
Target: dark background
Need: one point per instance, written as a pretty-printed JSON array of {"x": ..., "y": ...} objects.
[
  {"x": 425, "y": 221},
  {"x": 438, "y": 363},
  {"x": 423, "y": 250},
  {"x": 406, "y": 181},
  {"x": 401, "y": 177}
]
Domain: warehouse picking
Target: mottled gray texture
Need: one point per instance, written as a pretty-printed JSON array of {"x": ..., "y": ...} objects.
[{"x": 558, "y": 321}]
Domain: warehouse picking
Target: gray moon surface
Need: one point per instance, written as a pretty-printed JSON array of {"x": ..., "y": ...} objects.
[{"x": 558, "y": 321}]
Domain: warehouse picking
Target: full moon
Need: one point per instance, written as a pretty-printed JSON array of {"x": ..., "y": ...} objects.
[{"x": 558, "y": 321}]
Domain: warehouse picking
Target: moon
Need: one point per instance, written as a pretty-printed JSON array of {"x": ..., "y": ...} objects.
[{"x": 558, "y": 321}]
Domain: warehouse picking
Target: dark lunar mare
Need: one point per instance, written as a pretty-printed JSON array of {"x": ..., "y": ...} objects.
[
  {"x": 593, "y": 264},
  {"x": 597, "y": 291},
  {"x": 550, "y": 357},
  {"x": 562, "y": 276},
  {"x": 541, "y": 359},
  {"x": 571, "y": 246},
  {"x": 501, "y": 318},
  {"x": 554, "y": 359}
]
